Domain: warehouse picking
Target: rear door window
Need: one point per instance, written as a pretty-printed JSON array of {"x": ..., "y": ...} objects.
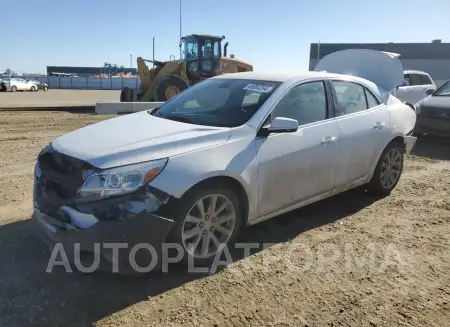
[{"x": 351, "y": 97}]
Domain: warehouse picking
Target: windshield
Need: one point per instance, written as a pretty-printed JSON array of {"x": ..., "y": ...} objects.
[
  {"x": 444, "y": 90},
  {"x": 218, "y": 102}
]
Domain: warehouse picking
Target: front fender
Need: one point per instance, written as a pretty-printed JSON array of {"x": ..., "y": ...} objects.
[{"x": 234, "y": 159}]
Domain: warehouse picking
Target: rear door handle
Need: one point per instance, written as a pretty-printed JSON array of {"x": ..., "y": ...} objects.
[{"x": 329, "y": 139}]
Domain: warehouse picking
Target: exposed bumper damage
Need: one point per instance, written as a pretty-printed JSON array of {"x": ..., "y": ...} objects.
[
  {"x": 97, "y": 226},
  {"x": 410, "y": 141}
]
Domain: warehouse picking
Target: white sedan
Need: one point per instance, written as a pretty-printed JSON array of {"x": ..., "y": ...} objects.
[
  {"x": 230, "y": 151},
  {"x": 19, "y": 84}
]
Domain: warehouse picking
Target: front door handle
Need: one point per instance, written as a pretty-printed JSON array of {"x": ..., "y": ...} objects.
[
  {"x": 329, "y": 139},
  {"x": 379, "y": 125}
]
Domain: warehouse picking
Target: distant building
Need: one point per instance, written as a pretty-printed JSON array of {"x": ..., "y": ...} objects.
[
  {"x": 433, "y": 58},
  {"x": 87, "y": 71}
]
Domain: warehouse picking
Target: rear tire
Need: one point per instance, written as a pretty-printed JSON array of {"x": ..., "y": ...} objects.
[
  {"x": 33, "y": 89},
  {"x": 212, "y": 226},
  {"x": 169, "y": 87},
  {"x": 13, "y": 88},
  {"x": 388, "y": 170},
  {"x": 45, "y": 88}
]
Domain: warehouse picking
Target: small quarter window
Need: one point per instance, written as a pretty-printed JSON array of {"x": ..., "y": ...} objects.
[{"x": 372, "y": 101}]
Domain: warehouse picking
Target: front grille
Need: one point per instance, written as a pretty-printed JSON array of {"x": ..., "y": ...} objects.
[{"x": 61, "y": 175}]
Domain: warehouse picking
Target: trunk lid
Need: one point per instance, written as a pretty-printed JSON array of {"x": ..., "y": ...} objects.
[{"x": 382, "y": 68}]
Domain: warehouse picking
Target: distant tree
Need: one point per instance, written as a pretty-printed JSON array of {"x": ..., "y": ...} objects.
[
  {"x": 8, "y": 71},
  {"x": 122, "y": 66}
]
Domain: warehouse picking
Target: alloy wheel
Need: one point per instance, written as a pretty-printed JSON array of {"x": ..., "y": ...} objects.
[
  {"x": 391, "y": 168},
  {"x": 208, "y": 226}
]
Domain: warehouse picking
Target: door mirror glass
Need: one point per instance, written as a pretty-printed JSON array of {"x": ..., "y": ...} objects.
[
  {"x": 429, "y": 92},
  {"x": 405, "y": 83},
  {"x": 283, "y": 125}
]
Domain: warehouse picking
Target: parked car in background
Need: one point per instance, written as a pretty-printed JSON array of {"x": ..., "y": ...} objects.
[
  {"x": 433, "y": 112},
  {"x": 19, "y": 84},
  {"x": 41, "y": 86},
  {"x": 3, "y": 82},
  {"x": 416, "y": 86},
  {"x": 230, "y": 151}
]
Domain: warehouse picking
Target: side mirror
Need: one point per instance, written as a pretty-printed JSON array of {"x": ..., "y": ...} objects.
[
  {"x": 280, "y": 125},
  {"x": 429, "y": 92}
]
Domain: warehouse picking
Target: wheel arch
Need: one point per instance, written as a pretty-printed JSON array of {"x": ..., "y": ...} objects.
[
  {"x": 396, "y": 139},
  {"x": 228, "y": 181}
]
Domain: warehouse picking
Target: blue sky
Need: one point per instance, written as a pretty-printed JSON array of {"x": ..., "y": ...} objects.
[{"x": 269, "y": 34}]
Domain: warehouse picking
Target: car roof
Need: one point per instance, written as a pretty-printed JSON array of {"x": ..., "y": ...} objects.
[
  {"x": 287, "y": 76},
  {"x": 293, "y": 77},
  {"x": 413, "y": 71},
  {"x": 274, "y": 76}
]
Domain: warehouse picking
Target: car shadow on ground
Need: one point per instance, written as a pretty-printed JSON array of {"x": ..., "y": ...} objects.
[
  {"x": 30, "y": 296},
  {"x": 432, "y": 146}
]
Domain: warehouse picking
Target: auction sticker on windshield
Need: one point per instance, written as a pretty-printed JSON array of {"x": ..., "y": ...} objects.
[{"x": 258, "y": 88}]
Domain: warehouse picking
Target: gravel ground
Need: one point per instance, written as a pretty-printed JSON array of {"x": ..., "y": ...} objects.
[
  {"x": 54, "y": 98},
  {"x": 327, "y": 283}
]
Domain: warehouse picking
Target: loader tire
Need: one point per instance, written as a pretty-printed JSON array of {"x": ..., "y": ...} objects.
[
  {"x": 125, "y": 95},
  {"x": 169, "y": 87}
]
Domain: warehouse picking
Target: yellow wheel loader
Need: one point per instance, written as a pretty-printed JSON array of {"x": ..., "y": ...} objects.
[{"x": 203, "y": 58}]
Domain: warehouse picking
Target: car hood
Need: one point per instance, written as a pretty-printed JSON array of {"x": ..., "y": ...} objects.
[
  {"x": 136, "y": 138},
  {"x": 382, "y": 68}
]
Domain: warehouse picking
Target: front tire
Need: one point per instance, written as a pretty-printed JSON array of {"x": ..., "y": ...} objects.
[
  {"x": 168, "y": 87},
  {"x": 33, "y": 89},
  {"x": 13, "y": 88},
  {"x": 207, "y": 219},
  {"x": 388, "y": 170}
]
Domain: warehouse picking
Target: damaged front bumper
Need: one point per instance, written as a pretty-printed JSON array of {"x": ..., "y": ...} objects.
[
  {"x": 112, "y": 241},
  {"x": 111, "y": 229}
]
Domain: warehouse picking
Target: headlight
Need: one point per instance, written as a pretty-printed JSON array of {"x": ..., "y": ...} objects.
[{"x": 121, "y": 180}]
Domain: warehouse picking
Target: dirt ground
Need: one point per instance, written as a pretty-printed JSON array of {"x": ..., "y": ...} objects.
[
  {"x": 54, "y": 98},
  {"x": 327, "y": 283}
]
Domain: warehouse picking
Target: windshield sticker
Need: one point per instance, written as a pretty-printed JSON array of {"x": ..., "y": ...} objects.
[{"x": 258, "y": 88}]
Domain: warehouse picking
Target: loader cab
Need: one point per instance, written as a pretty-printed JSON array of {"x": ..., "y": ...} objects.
[{"x": 202, "y": 54}]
